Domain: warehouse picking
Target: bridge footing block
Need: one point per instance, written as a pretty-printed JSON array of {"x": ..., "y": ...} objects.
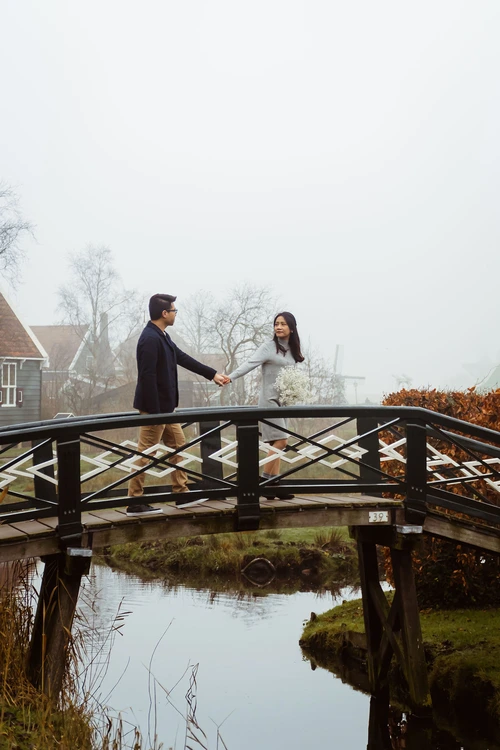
[{"x": 47, "y": 659}]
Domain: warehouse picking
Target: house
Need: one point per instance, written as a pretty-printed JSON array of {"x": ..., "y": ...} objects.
[
  {"x": 21, "y": 360},
  {"x": 80, "y": 366},
  {"x": 83, "y": 375}
]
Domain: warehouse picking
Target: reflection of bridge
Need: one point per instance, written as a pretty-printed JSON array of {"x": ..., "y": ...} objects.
[{"x": 390, "y": 473}]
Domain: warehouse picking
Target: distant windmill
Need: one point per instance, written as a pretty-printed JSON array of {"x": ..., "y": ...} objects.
[
  {"x": 339, "y": 379},
  {"x": 403, "y": 381}
]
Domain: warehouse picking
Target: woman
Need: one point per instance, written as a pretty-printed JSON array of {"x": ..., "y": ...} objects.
[{"x": 282, "y": 351}]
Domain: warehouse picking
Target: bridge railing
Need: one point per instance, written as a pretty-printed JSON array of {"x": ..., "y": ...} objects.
[{"x": 434, "y": 463}]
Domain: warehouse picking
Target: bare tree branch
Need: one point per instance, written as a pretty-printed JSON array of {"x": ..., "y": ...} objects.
[
  {"x": 233, "y": 327},
  {"x": 13, "y": 227},
  {"x": 103, "y": 313}
]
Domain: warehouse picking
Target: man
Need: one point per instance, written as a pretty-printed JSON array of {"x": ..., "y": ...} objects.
[{"x": 157, "y": 392}]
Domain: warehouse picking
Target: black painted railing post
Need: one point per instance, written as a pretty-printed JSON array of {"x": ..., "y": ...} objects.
[
  {"x": 416, "y": 473},
  {"x": 209, "y": 445},
  {"x": 70, "y": 513},
  {"x": 248, "y": 508},
  {"x": 44, "y": 489},
  {"x": 370, "y": 461}
]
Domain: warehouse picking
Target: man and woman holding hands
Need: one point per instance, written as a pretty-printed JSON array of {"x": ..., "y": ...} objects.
[{"x": 157, "y": 389}]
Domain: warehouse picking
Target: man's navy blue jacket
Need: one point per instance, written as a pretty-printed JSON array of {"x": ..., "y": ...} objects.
[{"x": 157, "y": 359}]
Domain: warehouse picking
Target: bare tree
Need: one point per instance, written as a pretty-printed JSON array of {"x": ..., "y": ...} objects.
[
  {"x": 13, "y": 227},
  {"x": 240, "y": 324},
  {"x": 232, "y": 329},
  {"x": 194, "y": 322},
  {"x": 103, "y": 314},
  {"x": 327, "y": 386}
]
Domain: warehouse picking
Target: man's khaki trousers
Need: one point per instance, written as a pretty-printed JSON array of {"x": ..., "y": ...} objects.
[{"x": 170, "y": 435}]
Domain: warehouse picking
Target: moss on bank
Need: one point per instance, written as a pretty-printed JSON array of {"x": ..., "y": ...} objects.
[
  {"x": 298, "y": 552},
  {"x": 462, "y": 649}
]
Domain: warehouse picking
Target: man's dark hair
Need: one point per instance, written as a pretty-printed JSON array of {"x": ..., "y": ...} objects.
[{"x": 158, "y": 303}]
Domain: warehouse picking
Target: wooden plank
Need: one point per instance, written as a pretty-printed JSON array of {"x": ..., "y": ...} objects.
[
  {"x": 111, "y": 516},
  {"x": 445, "y": 527},
  {"x": 169, "y": 528},
  {"x": 358, "y": 500},
  {"x": 216, "y": 505},
  {"x": 266, "y": 502},
  {"x": 197, "y": 510},
  {"x": 226, "y": 504},
  {"x": 322, "y": 516},
  {"x": 25, "y": 548},
  {"x": 32, "y": 528},
  {"x": 51, "y": 522},
  {"x": 90, "y": 520},
  {"x": 305, "y": 501},
  {"x": 7, "y": 532},
  {"x": 177, "y": 523}
]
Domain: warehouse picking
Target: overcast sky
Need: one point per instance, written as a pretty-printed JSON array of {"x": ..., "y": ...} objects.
[{"x": 345, "y": 153}]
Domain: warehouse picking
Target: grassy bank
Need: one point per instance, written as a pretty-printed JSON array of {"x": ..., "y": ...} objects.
[
  {"x": 310, "y": 553},
  {"x": 462, "y": 650}
]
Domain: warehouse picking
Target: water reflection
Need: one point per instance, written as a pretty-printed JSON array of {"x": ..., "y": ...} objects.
[
  {"x": 393, "y": 729},
  {"x": 252, "y": 676}
]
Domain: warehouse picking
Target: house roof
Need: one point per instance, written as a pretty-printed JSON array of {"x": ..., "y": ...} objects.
[
  {"x": 16, "y": 338},
  {"x": 61, "y": 343}
]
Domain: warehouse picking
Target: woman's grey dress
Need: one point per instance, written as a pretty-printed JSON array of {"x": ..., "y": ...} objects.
[{"x": 271, "y": 362}]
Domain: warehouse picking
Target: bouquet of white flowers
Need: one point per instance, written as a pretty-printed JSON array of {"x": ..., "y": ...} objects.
[{"x": 293, "y": 386}]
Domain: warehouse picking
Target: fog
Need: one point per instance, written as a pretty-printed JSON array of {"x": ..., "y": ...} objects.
[{"x": 345, "y": 154}]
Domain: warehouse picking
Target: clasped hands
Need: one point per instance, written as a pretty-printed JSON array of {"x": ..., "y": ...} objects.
[{"x": 221, "y": 379}]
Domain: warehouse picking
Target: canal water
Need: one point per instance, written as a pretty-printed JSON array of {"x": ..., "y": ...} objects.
[{"x": 148, "y": 640}]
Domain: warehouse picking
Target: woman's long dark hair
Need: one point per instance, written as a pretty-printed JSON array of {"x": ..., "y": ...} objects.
[{"x": 293, "y": 341}]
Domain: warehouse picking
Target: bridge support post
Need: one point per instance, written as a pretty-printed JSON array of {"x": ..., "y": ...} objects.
[
  {"x": 416, "y": 473},
  {"x": 62, "y": 576},
  {"x": 248, "y": 506},
  {"x": 392, "y": 629},
  {"x": 69, "y": 490},
  {"x": 369, "y": 469},
  {"x": 210, "y": 443},
  {"x": 47, "y": 658}
]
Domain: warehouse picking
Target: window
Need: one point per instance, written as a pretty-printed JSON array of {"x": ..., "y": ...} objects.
[{"x": 9, "y": 381}]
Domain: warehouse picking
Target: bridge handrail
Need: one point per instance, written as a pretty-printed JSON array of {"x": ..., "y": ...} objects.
[
  {"x": 59, "y": 428},
  {"x": 386, "y": 451}
]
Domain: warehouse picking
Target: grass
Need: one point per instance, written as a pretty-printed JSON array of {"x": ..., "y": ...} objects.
[
  {"x": 462, "y": 649},
  {"x": 310, "y": 552}
]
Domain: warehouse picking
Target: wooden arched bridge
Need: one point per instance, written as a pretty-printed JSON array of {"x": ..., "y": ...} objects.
[{"x": 392, "y": 474}]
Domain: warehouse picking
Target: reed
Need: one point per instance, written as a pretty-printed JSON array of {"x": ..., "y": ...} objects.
[
  {"x": 28, "y": 718},
  {"x": 78, "y": 720}
]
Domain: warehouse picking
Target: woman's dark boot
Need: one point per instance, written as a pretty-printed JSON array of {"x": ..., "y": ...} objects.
[{"x": 274, "y": 490}]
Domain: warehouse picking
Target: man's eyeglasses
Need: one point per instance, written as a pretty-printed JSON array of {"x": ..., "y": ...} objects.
[{"x": 174, "y": 310}]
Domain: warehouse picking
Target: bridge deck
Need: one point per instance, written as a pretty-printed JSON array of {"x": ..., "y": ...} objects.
[
  {"x": 35, "y": 538},
  {"x": 105, "y": 527}
]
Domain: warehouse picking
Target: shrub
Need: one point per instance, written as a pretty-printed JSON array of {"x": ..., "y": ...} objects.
[{"x": 449, "y": 574}]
